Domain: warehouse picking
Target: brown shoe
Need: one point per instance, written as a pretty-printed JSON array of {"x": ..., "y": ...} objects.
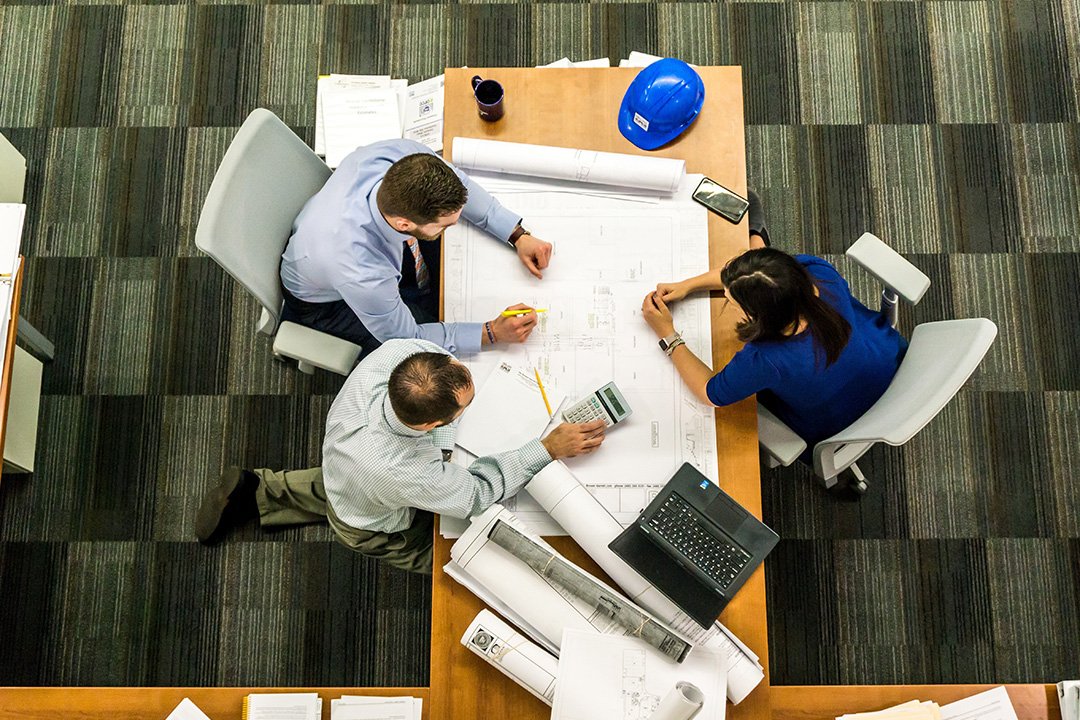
[{"x": 230, "y": 502}]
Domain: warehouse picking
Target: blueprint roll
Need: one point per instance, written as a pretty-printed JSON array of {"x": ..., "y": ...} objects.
[
  {"x": 663, "y": 175},
  {"x": 512, "y": 654},
  {"x": 683, "y": 702},
  {"x": 589, "y": 523}
]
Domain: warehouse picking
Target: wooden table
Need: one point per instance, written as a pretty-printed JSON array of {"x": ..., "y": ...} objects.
[{"x": 578, "y": 108}]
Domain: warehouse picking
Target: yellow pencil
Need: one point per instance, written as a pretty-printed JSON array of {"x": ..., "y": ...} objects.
[
  {"x": 515, "y": 313},
  {"x": 542, "y": 393}
]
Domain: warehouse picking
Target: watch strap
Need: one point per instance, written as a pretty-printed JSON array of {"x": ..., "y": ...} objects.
[{"x": 516, "y": 235}]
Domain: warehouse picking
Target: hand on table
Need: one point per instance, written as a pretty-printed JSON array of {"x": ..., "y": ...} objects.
[
  {"x": 534, "y": 253},
  {"x": 573, "y": 439},
  {"x": 657, "y": 315}
]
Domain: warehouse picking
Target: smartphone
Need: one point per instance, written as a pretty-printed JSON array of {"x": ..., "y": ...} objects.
[{"x": 720, "y": 200}]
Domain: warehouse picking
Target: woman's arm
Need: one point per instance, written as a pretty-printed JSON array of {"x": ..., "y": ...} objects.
[
  {"x": 673, "y": 292},
  {"x": 693, "y": 372}
]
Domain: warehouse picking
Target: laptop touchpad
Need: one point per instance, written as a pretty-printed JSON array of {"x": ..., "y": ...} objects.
[{"x": 725, "y": 513}]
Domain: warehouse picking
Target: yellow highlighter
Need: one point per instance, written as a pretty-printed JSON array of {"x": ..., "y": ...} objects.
[
  {"x": 543, "y": 394},
  {"x": 515, "y": 313}
]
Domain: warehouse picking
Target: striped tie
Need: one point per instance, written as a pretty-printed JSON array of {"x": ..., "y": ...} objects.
[{"x": 422, "y": 276}]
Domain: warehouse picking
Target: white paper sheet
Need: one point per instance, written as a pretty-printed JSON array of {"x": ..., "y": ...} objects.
[
  {"x": 360, "y": 82},
  {"x": 12, "y": 216},
  {"x": 369, "y": 707},
  {"x": 187, "y": 710},
  {"x": 640, "y": 59},
  {"x": 586, "y": 166},
  {"x": 507, "y": 412},
  {"x": 594, "y": 63},
  {"x": 622, "y": 678},
  {"x": 512, "y": 654},
  {"x": 284, "y": 706},
  {"x": 994, "y": 704},
  {"x": 608, "y": 254},
  {"x": 422, "y": 112},
  {"x": 356, "y": 117}
]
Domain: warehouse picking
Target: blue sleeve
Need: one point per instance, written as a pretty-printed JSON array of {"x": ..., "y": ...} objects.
[
  {"x": 747, "y": 373},
  {"x": 379, "y": 306},
  {"x": 485, "y": 212}
]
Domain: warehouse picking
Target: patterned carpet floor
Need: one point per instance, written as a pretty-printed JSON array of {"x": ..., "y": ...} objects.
[{"x": 949, "y": 128}]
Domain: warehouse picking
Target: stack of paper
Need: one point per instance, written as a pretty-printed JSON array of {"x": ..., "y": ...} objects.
[
  {"x": 364, "y": 707},
  {"x": 990, "y": 705},
  {"x": 282, "y": 706},
  {"x": 507, "y": 412},
  {"x": 1069, "y": 699},
  {"x": 356, "y": 110},
  {"x": 640, "y": 59}
]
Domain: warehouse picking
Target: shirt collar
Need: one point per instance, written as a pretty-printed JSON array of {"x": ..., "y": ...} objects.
[
  {"x": 392, "y": 236},
  {"x": 396, "y": 426}
]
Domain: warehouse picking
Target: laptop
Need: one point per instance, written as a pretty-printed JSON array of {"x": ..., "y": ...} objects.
[{"x": 695, "y": 544}]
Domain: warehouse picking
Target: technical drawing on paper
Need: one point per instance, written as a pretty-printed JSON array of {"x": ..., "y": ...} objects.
[
  {"x": 608, "y": 253},
  {"x": 638, "y": 702}
]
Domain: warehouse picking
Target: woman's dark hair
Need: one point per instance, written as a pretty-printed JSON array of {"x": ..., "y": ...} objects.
[
  {"x": 424, "y": 388},
  {"x": 775, "y": 290}
]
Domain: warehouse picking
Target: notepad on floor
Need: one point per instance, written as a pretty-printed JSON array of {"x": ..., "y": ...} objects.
[
  {"x": 507, "y": 412},
  {"x": 282, "y": 706}
]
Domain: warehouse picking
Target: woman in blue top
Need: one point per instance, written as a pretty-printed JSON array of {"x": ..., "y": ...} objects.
[{"x": 816, "y": 356}]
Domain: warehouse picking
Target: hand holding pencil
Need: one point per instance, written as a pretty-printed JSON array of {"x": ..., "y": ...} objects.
[{"x": 512, "y": 325}]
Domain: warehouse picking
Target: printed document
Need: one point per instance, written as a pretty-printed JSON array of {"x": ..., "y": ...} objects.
[
  {"x": 365, "y": 707},
  {"x": 623, "y": 678}
]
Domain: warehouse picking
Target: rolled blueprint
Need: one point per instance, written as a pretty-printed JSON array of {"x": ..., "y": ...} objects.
[
  {"x": 512, "y": 654},
  {"x": 554, "y": 568},
  {"x": 590, "y": 524},
  {"x": 587, "y": 166},
  {"x": 683, "y": 702}
]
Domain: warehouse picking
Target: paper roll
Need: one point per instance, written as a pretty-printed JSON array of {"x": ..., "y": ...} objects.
[
  {"x": 663, "y": 175},
  {"x": 512, "y": 654},
  {"x": 682, "y": 702}
]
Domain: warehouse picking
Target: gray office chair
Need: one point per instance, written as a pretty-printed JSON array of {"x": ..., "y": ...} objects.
[
  {"x": 940, "y": 358},
  {"x": 266, "y": 176}
]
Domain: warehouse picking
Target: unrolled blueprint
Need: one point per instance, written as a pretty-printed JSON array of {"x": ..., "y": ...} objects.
[{"x": 608, "y": 253}]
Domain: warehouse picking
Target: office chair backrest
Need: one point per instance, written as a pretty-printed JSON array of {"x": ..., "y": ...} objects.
[
  {"x": 266, "y": 176},
  {"x": 940, "y": 359}
]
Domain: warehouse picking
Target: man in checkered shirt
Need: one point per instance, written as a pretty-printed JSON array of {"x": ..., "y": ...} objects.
[{"x": 386, "y": 469}]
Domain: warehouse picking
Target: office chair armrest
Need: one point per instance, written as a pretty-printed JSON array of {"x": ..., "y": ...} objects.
[
  {"x": 315, "y": 348},
  {"x": 778, "y": 439},
  {"x": 889, "y": 267}
]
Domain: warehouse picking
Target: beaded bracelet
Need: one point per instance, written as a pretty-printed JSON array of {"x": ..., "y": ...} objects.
[{"x": 490, "y": 332}]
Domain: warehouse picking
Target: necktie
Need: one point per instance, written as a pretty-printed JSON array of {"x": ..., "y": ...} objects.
[{"x": 422, "y": 276}]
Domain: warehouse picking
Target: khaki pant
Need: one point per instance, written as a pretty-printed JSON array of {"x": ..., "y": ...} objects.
[{"x": 296, "y": 497}]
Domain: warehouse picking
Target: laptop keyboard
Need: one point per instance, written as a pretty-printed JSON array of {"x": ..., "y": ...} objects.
[{"x": 679, "y": 524}]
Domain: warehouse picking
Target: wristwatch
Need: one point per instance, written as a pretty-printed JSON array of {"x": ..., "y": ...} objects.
[
  {"x": 516, "y": 235},
  {"x": 671, "y": 342}
]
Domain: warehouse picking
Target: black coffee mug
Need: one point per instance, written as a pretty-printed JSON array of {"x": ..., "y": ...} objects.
[{"x": 489, "y": 98}]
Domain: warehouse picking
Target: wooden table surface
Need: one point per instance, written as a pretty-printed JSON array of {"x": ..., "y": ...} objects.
[{"x": 578, "y": 108}]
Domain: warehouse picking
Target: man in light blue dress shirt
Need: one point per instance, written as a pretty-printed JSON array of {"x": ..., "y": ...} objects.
[{"x": 353, "y": 267}]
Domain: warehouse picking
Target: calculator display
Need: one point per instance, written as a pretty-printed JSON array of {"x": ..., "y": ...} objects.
[{"x": 613, "y": 401}]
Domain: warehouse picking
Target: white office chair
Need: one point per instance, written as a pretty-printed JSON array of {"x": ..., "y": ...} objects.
[
  {"x": 941, "y": 357},
  {"x": 266, "y": 176}
]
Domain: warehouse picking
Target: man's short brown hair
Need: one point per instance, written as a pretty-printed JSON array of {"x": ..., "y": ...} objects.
[
  {"x": 424, "y": 388},
  {"x": 421, "y": 188}
]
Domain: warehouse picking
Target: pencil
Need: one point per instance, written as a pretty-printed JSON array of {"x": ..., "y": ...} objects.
[
  {"x": 542, "y": 393},
  {"x": 515, "y": 313}
]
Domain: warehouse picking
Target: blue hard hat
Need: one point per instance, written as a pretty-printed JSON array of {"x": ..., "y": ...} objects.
[{"x": 662, "y": 101}]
